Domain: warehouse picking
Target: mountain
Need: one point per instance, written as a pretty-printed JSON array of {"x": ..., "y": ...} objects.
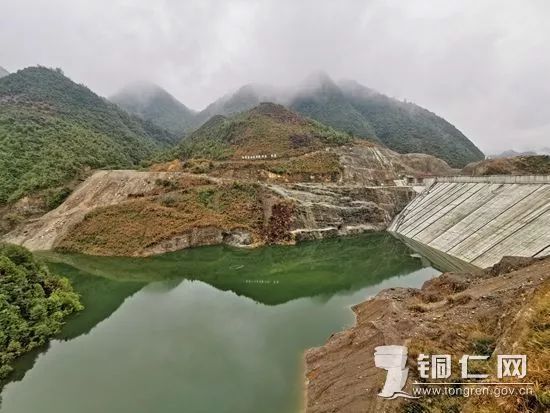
[
  {"x": 265, "y": 130},
  {"x": 408, "y": 128},
  {"x": 153, "y": 103},
  {"x": 3, "y": 72},
  {"x": 243, "y": 99},
  {"x": 350, "y": 107},
  {"x": 52, "y": 128},
  {"x": 321, "y": 99},
  {"x": 512, "y": 153}
]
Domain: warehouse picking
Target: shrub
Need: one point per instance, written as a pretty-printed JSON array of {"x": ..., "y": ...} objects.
[{"x": 33, "y": 304}]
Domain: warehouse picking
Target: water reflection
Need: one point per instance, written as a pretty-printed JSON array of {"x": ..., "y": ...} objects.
[
  {"x": 271, "y": 275},
  {"x": 204, "y": 330}
]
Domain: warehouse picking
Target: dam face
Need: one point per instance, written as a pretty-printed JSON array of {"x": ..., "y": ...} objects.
[{"x": 479, "y": 219}]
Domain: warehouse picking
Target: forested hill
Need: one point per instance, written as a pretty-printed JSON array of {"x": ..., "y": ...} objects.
[
  {"x": 52, "y": 128},
  {"x": 266, "y": 129},
  {"x": 407, "y": 128},
  {"x": 323, "y": 100},
  {"x": 243, "y": 99},
  {"x": 350, "y": 107},
  {"x": 153, "y": 103}
]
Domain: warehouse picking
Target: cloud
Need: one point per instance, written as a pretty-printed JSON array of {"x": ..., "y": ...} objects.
[{"x": 481, "y": 65}]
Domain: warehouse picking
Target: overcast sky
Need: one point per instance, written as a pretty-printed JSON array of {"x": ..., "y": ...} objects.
[{"x": 484, "y": 65}]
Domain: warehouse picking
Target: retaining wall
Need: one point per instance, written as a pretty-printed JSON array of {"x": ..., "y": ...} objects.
[{"x": 480, "y": 219}]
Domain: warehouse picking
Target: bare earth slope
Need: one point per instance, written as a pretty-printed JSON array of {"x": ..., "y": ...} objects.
[
  {"x": 144, "y": 213},
  {"x": 494, "y": 312},
  {"x": 102, "y": 189},
  {"x": 359, "y": 163},
  {"x": 517, "y": 165}
]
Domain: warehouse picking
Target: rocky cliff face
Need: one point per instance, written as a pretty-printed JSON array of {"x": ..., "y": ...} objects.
[
  {"x": 360, "y": 163},
  {"x": 377, "y": 165},
  {"x": 323, "y": 210}
]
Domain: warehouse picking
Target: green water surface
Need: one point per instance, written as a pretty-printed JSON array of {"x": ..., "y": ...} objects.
[{"x": 211, "y": 329}]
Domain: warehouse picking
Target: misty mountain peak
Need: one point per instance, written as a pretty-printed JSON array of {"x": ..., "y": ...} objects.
[
  {"x": 318, "y": 81},
  {"x": 260, "y": 92},
  {"x": 277, "y": 112},
  {"x": 140, "y": 90},
  {"x": 151, "y": 102},
  {"x": 3, "y": 72},
  {"x": 354, "y": 88},
  {"x": 356, "y": 109}
]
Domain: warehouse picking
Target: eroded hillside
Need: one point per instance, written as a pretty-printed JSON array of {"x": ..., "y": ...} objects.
[
  {"x": 145, "y": 213},
  {"x": 501, "y": 310},
  {"x": 517, "y": 165}
]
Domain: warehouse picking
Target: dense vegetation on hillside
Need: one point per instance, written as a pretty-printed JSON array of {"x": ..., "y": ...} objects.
[
  {"x": 155, "y": 104},
  {"x": 52, "y": 128},
  {"x": 326, "y": 103},
  {"x": 33, "y": 304},
  {"x": 364, "y": 113},
  {"x": 264, "y": 130},
  {"x": 243, "y": 99},
  {"x": 408, "y": 128}
]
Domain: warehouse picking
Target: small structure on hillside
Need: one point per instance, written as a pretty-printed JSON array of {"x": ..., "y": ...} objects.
[
  {"x": 414, "y": 180},
  {"x": 260, "y": 156}
]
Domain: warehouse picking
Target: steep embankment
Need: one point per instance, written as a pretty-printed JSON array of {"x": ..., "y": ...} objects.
[
  {"x": 480, "y": 219},
  {"x": 102, "y": 189},
  {"x": 144, "y": 213},
  {"x": 503, "y": 310}
]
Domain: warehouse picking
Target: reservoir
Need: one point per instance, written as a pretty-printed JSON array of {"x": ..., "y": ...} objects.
[{"x": 211, "y": 329}]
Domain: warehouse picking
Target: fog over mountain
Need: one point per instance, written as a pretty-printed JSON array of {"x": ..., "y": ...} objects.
[
  {"x": 346, "y": 106},
  {"x": 480, "y": 65},
  {"x": 151, "y": 102}
]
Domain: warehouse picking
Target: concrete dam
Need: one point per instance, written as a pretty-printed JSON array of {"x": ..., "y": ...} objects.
[{"x": 475, "y": 221}]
